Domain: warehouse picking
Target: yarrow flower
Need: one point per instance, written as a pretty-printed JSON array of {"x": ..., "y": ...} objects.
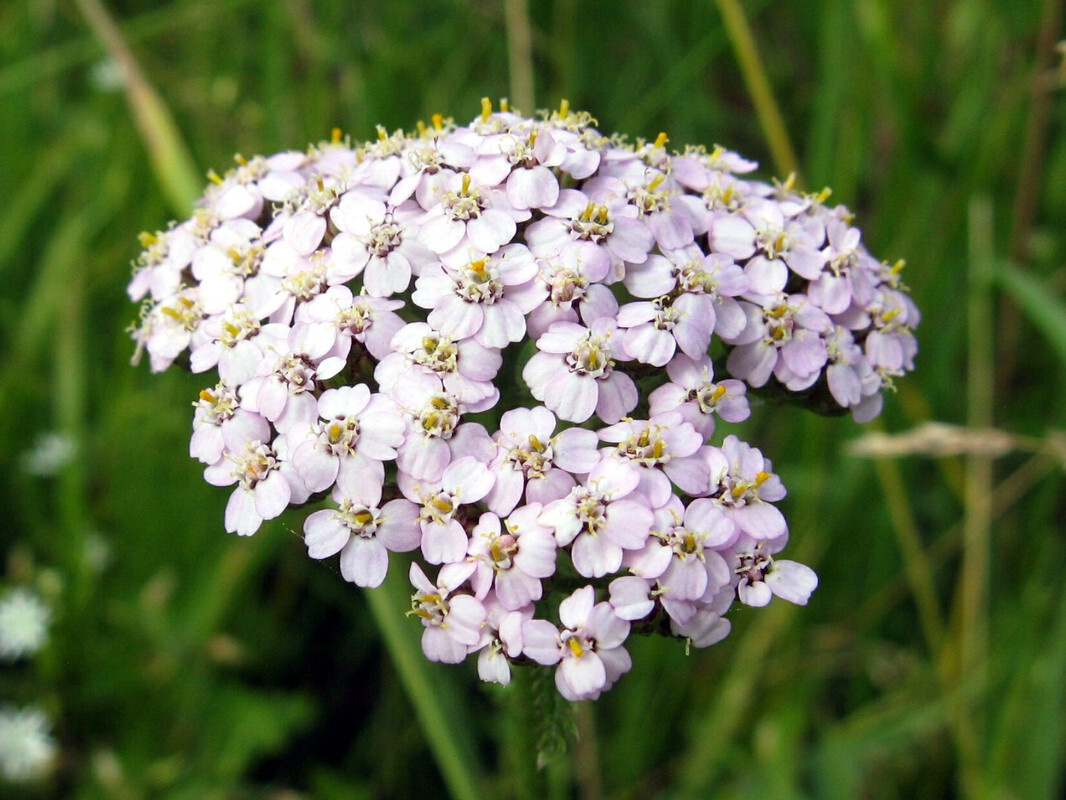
[
  {"x": 27, "y": 749},
  {"x": 508, "y": 349},
  {"x": 24, "y": 620}
]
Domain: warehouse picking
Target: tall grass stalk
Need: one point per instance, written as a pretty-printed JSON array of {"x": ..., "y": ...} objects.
[
  {"x": 758, "y": 85},
  {"x": 171, "y": 160},
  {"x": 520, "y": 54}
]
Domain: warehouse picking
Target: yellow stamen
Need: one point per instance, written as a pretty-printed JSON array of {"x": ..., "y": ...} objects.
[
  {"x": 213, "y": 176},
  {"x": 898, "y": 267},
  {"x": 656, "y": 182},
  {"x": 382, "y": 133},
  {"x": 240, "y": 159},
  {"x": 207, "y": 397},
  {"x": 336, "y": 135},
  {"x": 564, "y": 108},
  {"x": 486, "y": 109},
  {"x": 438, "y": 121},
  {"x": 505, "y": 105},
  {"x": 575, "y": 647},
  {"x": 762, "y": 477},
  {"x": 661, "y": 140},
  {"x": 147, "y": 239}
]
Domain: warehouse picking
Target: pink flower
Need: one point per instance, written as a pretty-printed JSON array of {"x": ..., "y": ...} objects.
[
  {"x": 363, "y": 534},
  {"x": 681, "y": 551},
  {"x": 601, "y": 519},
  {"x": 451, "y": 620},
  {"x": 512, "y": 558},
  {"x": 743, "y": 484},
  {"x": 378, "y": 241},
  {"x": 487, "y": 298},
  {"x": 217, "y": 411},
  {"x": 425, "y": 359},
  {"x": 693, "y": 394},
  {"x": 759, "y": 576},
  {"x": 574, "y": 375},
  {"x": 572, "y": 279},
  {"x": 501, "y": 641},
  {"x": 466, "y": 213},
  {"x": 370, "y": 321},
  {"x": 588, "y": 649},
  {"x": 533, "y": 460},
  {"x": 264, "y": 484},
  {"x": 444, "y": 538},
  {"x": 357, "y": 433},
  {"x": 662, "y": 449}
]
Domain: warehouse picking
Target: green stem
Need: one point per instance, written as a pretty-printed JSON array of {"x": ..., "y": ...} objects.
[
  {"x": 762, "y": 96},
  {"x": 173, "y": 165},
  {"x": 430, "y": 692},
  {"x": 520, "y": 54}
]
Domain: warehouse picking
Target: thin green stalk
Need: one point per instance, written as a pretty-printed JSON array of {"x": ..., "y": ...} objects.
[
  {"x": 520, "y": 54},
  {"x": 71, "y": 372},
  {"x": 171, "y": 160},
  {"x": 437, "y": 708},
  {"x": 972, "y": 598},
  {"x": 587, "y": 753},
  {"x": 915, "y": 560},
  {"x": 762, "y": 96}
]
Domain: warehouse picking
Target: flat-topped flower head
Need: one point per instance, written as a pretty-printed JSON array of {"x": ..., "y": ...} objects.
[{"x": 506, "y": 346}]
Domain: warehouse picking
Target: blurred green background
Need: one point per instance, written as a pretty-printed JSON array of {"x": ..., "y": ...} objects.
[{"x": 184, "y": 663}]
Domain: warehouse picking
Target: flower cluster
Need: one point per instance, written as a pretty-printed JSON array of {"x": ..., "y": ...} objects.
[
  {"x": 27, "y": 749},
  {"x": 505, "y": 346}
]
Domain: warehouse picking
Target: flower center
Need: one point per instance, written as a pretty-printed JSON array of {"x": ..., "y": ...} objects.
[
  {"x": 707, "y": 396},
  {"x": 340, "y": 436},
  {"x": 565, "y": 286},
  {"x": 186, "y": 312},
  {"x": 591, "y": 357},
  {"x": 359, "y": 519},
  {"x": 647, "y": 448},
  {"x": 479, "y": 282},
  {"x": 593, "y": 225},
  {"x": 590, "y": 510},
  {"x": 298, "y": 372},
  {"x": 246, "y": 260},
  {"x": 383, "y": 238},
  {"x": 437, "y": 354},
  {"x": 465, "y": 204},
  {"x": 219, "y": 404},
  {"x": 238, "y": 326},
  {"x": 305, "y": 285},
  {"x": 752, "y": 565},
  {"x": 694, "y": 279},
  {"x": 439, "y": 416},
  {"x": 258, "y": 462}
]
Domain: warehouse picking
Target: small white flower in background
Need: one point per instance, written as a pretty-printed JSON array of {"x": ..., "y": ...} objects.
[
  {"x": 24, "y": 622},
  {"x": 50, "y": 453},
  {"x": 27, "y": 749}
]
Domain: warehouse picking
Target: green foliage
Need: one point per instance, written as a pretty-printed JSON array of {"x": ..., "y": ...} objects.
[{"x": 186, "y": 664}]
